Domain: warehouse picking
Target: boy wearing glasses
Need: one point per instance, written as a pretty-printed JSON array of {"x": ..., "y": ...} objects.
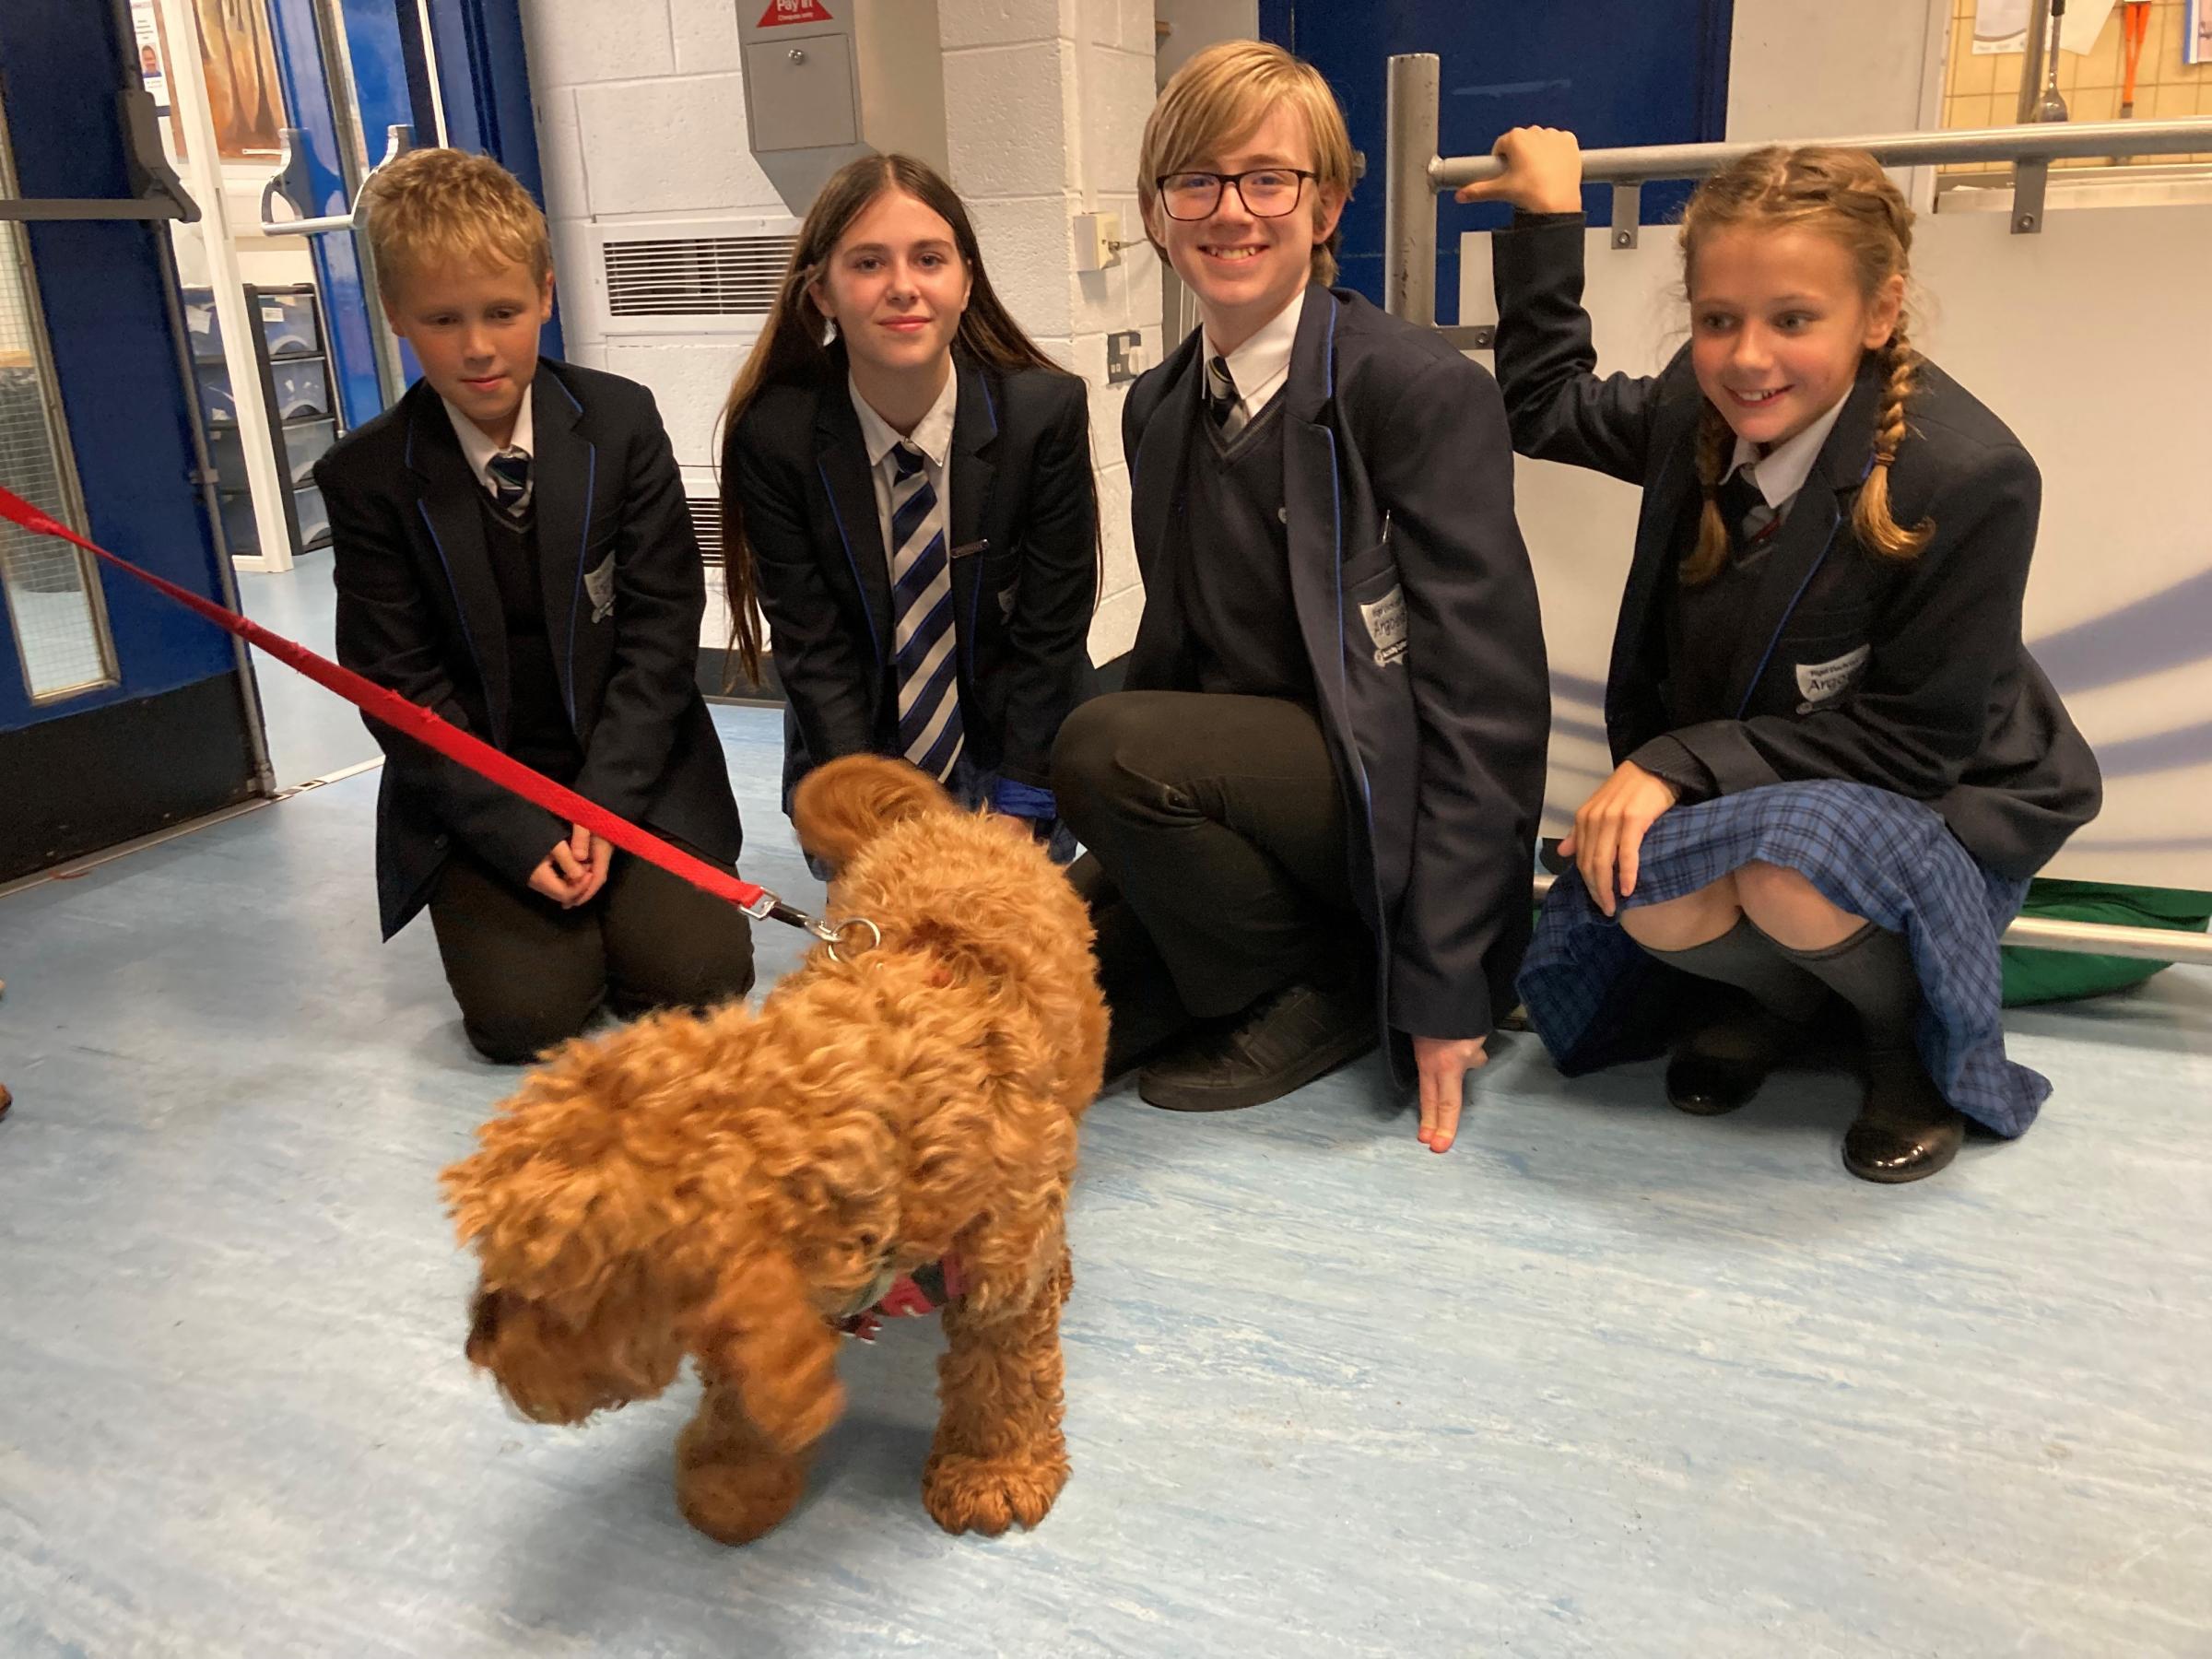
[{"x": 1311, "y": 815}]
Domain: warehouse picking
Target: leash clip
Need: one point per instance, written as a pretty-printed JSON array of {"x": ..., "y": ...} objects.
[
  {"x": 832, "y": 932},
  {"x": 768, "y": 908}
]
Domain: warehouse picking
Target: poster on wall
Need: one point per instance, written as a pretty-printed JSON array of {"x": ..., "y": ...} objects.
[
  {"x": 2196, "y": 32},
  {"x": 2002, "y": 25},
  {"x": 146, "y": 35},
  {"x": 238, "y": 57}
]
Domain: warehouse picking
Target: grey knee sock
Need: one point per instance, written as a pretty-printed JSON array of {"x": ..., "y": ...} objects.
[
  {"x": 1872, "y": 970},
  {"x": 1746, "y": 958}
]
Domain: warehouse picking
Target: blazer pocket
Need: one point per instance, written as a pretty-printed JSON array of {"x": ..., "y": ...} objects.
[
  {"x": 599, "y": 585},
  {"x": 1831, "y": 621},
  {"x": 1369, "y": 563},
  {"x": 1824, "y": 667},
  {"x": 1000, "y": 577}
]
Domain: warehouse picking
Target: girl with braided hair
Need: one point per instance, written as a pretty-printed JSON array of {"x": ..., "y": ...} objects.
[{"x": 1836, "y": 764}]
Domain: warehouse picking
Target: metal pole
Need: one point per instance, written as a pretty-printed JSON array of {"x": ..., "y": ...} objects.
[
  {"x": 2032, "y": 142},
  {"x": 1409, "y": 119},
  {"x": 2031, "y": 69}
]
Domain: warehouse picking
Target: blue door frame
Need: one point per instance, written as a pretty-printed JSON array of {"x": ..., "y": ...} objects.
[{"x": 1616, "y": 72}]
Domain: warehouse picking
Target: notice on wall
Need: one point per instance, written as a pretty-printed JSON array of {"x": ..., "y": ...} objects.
[
  {"x": 147, "y": 37},
  {"x": 2002, "y": 25}
]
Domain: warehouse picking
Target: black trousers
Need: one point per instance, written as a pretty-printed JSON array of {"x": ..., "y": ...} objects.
[
  {"x": 1216, "y": 865},
  {"x": 529, "y": 974}
]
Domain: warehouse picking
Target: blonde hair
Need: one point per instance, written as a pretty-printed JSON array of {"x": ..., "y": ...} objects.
[
  {"x": 1843, "y": 195},
  {"x": 445, "y": 206},
  {"x": 1225, "y": 92}
]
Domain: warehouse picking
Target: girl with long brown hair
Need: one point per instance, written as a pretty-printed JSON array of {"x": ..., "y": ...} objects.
[
  {"x": 908, "y": 501},
  {"x": 1836, "y": 764}
]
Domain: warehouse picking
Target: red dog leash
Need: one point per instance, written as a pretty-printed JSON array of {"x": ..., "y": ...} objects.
[{"x": 450, "y": 740}]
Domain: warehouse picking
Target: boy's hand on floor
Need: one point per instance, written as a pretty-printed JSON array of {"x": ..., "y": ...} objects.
[{"x": 1444, "y": 1063}]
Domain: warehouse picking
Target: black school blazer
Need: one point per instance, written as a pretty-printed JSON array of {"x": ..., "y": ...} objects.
[
  {"x": 419, "y": 611},
  {"x": 1025, "y": 551},
  {"x": 1419, "y": 611},
  {"x": 1911, "y": 676}
]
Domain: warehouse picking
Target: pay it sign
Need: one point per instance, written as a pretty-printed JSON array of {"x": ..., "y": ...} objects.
[{"x": 793, "y": 11}]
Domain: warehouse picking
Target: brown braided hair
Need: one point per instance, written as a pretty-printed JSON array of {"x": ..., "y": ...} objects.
[{"x": 1845, "y": 195}]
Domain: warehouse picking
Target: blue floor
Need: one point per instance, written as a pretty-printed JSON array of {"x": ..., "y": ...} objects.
[{"x": 1605, "y": 1381}]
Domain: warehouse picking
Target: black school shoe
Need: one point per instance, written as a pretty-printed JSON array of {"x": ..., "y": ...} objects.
[
  {"x": 1282, "y": 1043},
  {"x": 1721, "y": 1066},
  {"x": 1905, "y": 1130}
]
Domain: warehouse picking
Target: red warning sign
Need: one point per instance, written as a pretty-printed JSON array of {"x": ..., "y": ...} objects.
[{"x": 793, "y": 11}]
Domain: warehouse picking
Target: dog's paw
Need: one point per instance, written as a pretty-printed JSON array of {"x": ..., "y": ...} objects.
[
  {"x": 988, "y": 1495},
  {"x": 738, "y": 1502}
]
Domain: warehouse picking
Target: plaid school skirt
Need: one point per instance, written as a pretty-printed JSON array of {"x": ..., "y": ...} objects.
[{"x": 1596, "y": 999}]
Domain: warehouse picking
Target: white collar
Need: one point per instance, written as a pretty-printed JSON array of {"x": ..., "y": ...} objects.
[
  {"x": 1258, "y": 364},
  {"x": 476, "y": 446},
  {"x": 931, "y": 434},
  {"x": 1780, "y": 473}
]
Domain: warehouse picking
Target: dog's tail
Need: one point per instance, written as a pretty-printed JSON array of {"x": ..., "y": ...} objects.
[{"x": 842, "y": 806}]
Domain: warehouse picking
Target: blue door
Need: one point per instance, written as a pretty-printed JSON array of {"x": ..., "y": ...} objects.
[
  {"x": 119, "y": 714},
  {"x": 1616, "y": 72}
]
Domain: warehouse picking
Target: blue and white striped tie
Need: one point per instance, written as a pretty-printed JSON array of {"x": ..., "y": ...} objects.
[{"x": 926, "y": 665}]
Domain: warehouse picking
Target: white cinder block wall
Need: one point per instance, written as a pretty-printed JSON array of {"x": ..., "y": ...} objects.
[
  {"x": 640, "y": 117},
  {"x": 1044, "y": 104}
]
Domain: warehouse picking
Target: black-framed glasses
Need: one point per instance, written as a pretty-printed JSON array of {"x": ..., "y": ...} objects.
[{"x": 1266, "y": 192}]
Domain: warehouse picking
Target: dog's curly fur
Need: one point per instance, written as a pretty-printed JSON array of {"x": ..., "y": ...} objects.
[{"x": 723, "y": 1184}]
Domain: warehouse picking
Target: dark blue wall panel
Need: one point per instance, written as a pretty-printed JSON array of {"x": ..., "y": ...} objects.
[{"x": 1617, "y": 72}]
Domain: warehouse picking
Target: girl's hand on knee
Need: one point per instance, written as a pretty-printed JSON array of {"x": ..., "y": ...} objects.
[
  {"x": 1443, "y": 1063},
  {"x": 1543, "y": 172},
  {"x": 1608, "y": 832}
]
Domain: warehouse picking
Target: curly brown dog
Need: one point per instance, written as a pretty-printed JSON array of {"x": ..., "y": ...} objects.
[{"x": 727, "y": 1184}]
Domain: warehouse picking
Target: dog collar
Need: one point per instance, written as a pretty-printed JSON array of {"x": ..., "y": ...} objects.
[{"x": 895, "y": 1295}]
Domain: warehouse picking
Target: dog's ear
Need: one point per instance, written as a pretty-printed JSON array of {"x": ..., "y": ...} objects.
[
  {"x": 762, "y": 1333},
  {"x": 842, "y": 806},
  {"x": 598, "y": 1167}
]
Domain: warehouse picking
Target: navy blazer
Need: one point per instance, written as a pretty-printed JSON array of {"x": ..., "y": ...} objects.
[
  {"x": 1907, "y": 674},
  {"x": 1024, "y": 568},
  {"x": 419, "y": 611},
  {"x": 1419, "y": 611}
]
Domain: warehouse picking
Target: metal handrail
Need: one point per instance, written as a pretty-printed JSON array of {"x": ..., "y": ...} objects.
[
  {"x": 2069, "y": 140},
  {"x": 1415, "y": 174}
]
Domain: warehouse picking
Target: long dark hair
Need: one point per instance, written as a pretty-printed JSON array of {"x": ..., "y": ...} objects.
[{"x": 794, "y": 348}]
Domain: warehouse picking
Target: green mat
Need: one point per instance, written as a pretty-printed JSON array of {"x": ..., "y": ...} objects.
[{"x": 2039, "y": 976}]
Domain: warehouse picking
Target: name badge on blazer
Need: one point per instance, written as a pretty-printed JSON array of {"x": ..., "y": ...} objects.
[
  {"x": 1822, "y": 683},
  {"x": 599, "y": 588},
  {"x": 1385, "y": 620}
]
